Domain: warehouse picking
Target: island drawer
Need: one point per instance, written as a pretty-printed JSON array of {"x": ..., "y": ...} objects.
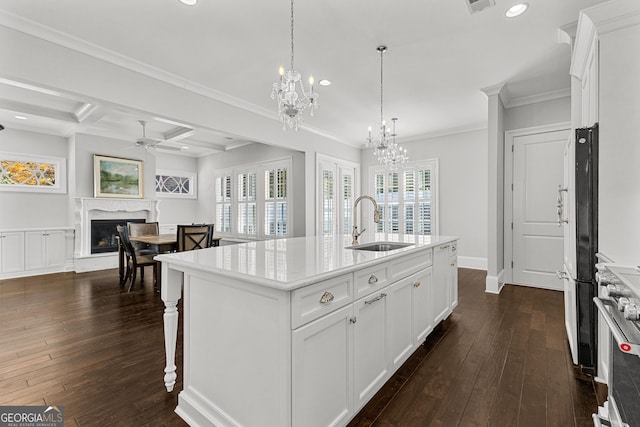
[
  {"x": 407, "y": 265},
  {"x": 371, "y": 279},
  {"x": 314, "y": 301}
]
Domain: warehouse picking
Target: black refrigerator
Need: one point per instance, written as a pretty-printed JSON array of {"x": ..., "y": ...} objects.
[{"x": 586, "y": 209}]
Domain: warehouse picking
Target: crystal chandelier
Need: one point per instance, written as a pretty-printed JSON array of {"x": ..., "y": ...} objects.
[
  {"x": 284, "y": 91},
  {"x": 388, "y": 152}
]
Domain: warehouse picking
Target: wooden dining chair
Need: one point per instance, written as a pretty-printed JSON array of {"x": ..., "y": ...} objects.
[
  {"x": 134, "y": 261},
  {"x": 143, "y": 229},
  {"x": 194, "y": 236}
]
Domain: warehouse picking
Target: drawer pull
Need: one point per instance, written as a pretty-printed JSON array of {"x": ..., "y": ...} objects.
[
  {"x": 373, "y": 279},
  {"x": 444, "y": 247},
  {"x": 378, "y": 298},
  {"x": 416, "y": 284},
  {"x": 327, "y": 297}
]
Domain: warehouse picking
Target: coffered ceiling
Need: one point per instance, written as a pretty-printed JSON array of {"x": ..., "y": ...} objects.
[{"x": 439, "y": 58}]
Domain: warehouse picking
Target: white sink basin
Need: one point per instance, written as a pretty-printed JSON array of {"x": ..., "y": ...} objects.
[{"x": 379, "y": 246}]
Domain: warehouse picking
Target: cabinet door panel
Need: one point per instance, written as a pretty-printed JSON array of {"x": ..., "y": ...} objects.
[
  {"x": 370, "y": 346},
  {"x": 56, "y": 248},
  {"x": 34, "y": 250},
  {"x": 400, "y": 318},
  {"x": 440, "y": 288},
  {"x": 421, "y": 311},
  {"x": 322, "y": 373},
  {"x": 453, "y": 282},
  {"x": 12, "y": 252}
]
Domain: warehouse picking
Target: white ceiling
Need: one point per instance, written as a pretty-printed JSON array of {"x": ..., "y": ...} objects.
[{"x": 439, "y": 58}]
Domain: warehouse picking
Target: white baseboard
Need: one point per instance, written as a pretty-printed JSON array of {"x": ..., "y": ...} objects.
[
  {"x": 96, "y": 262},
  {"x": 494, "y": 284},
  {"x": 474, "y": 263}
]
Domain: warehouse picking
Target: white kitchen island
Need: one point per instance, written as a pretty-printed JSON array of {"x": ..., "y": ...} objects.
[{"x": 303, "y": 331}]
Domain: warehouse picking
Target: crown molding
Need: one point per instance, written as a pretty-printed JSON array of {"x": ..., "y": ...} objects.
[
  {"x": 68, "y": 41},
  {"x": 541, "y": 97}
]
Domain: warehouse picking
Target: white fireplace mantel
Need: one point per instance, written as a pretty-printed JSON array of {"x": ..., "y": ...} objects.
[{"x": 87, "y": 209}]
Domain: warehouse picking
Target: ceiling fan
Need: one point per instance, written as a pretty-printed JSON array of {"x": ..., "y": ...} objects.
[{"x": 150, "y": 143}]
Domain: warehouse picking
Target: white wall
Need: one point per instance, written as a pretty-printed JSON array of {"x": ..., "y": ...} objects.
[
  {"x": 25, "y": 210},
  {"x": 538, "y": 114},
  {"x": 249, "y": 155},
  {"x": 463, "y": 188}
]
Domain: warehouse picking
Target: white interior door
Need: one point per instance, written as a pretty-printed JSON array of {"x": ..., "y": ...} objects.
[{"x": 537, "y": 238}]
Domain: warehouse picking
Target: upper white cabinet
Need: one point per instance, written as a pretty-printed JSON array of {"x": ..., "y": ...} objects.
[{"x": 11, "y": 252}]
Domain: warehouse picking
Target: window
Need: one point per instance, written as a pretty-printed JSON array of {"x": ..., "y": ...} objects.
[
  {"x": 337, "y": 187},
  {"x": 275, "y": 202},
  {"x": 22, "y": 172},
  {"x": 223, "y": 203},
  {"x": 176, "y": 184},
  {"x": 247, "y": 207},
  {"x": 406, "y": 198},
  {"x": 252, "y": 192}
]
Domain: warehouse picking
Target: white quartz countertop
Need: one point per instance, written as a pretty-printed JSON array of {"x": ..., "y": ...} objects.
[{"x": 287, "y": 264}]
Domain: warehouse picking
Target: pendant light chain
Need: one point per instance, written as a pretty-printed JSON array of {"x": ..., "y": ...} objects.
[
  {"x": 292, "y": 35},
  {"x": 382, "y": 50}
]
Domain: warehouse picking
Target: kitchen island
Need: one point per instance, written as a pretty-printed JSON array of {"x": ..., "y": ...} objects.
[{"x": 300, "y": 331}]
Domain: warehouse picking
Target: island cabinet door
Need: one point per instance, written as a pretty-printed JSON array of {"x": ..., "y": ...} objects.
[
  {"x": 322, "y": 370},
  {"x": 441, "y": 283},
  {"x": 371, "y": 361},
  {"x": 399, "y": 297},
  {"x": 421, "y": 312}
]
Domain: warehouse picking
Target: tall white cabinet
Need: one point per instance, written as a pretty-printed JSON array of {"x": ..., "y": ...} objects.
[{"x": 605, "y": 72}]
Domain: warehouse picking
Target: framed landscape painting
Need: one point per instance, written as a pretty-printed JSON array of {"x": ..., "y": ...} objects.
[{"x": 118, "y": 178}]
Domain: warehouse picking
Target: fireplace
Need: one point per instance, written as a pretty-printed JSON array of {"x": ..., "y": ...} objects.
[
  {"x": 103, "y": 234},
  {"x": 100, "y": 251}
]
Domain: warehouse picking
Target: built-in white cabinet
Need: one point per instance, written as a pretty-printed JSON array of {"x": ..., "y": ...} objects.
[
  {"x": 11, "y": 252},
  {"x": 421, "y": 310},
  {"x": 44, "y": 249},
  {"x": 35, "y": 251}
]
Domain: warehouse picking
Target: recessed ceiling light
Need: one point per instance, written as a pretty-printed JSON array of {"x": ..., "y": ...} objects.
[
  {"x": 516, "y": 10},
  {"x": 184, "y": 147},
  {"x": 189, "y": 2},
  {"x": 21, "y": 117},
  {"x": 324, "y": 82}
]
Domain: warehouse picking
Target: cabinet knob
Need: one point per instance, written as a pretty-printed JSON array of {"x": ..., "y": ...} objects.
[
  {"x": 373, "y": 279},
  {"x": 327, "y": 297},
  {"x": 352, "y": 319},
  {"x": 416, "y": 284},
  {"x": 453, "y": 264}
]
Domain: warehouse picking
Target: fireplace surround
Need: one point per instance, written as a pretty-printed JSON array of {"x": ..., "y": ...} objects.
[{"x": 93, "y": 209}]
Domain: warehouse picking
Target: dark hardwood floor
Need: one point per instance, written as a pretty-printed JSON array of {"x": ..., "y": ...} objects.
[{"x": 78, "y": 341}]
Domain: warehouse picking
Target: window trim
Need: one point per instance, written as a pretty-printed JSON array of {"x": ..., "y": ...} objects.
[{"x": 431, "y": 164}]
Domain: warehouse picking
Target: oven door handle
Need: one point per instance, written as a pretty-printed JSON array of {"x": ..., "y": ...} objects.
[{"x": 613, "y": 326}]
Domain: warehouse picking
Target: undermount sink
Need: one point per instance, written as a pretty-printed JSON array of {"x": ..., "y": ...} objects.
[{"x": 380, "y": 246}]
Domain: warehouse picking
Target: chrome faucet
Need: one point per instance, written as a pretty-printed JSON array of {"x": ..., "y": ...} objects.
[{"x": 376, "y": 218}]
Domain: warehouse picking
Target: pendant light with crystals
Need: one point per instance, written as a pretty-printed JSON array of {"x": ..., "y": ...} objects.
[
  {"x": 285, "y": 91},
  {"x": 388, "y": 152}
]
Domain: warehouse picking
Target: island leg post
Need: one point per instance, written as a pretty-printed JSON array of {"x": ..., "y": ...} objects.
[{"x": 170, "y": 293}]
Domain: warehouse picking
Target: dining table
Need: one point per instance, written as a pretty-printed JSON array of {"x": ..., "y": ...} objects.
[{"x": 160, "y": 243}]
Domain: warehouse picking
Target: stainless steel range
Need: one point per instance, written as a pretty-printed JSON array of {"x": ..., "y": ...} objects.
[{"x": 619, "y": 305}]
